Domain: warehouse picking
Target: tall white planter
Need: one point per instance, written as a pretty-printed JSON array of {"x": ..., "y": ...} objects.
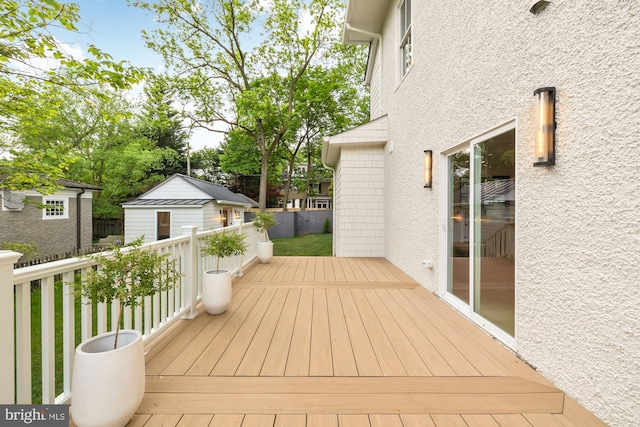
[
  {"x": 265, "y": 251},
  {"x": 107, "y": 385},
  {"x": 216, "y": 291}
]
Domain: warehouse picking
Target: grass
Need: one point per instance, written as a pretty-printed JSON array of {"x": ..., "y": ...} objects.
[
  {"x": 36, "y": 339},
  {"x": 307, "y": 245}
]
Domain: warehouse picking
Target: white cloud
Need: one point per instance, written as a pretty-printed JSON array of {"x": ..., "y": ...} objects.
[{"x": 35, "y": 66}]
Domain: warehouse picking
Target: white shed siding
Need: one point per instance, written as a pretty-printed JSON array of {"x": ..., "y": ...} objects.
[
  {"x": 176, "y": 188},
  {"x": 210, "y": 216},
  {"x": 360, "y": 204},
  {"x": 139, "y": 222},
  {"x": 183, "y": 216},
  {"x": 142, "y": 220}
]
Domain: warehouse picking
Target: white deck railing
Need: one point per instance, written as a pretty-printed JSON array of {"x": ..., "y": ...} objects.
[{"x": 58, "y": 306}]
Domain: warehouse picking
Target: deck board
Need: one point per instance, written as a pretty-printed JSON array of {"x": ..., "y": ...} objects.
[
  {"x": 341, "y": 342},
  {"x": 278, "y": 352},
  {"x": 344, "y": 362},
  {"x": 300, "y": 349},
  {"x": 259, "y": 344},
  {"x": 388, "y": 360},
  {"x": 321, "y": 363}
]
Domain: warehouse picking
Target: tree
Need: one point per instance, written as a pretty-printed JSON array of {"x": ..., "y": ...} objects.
[
  {"x": 101, "y": 138},
  {"x": 161, "y": 123},
  {"x": 205, "y": 164},
  {"x": 251, "y": 91},
  {"x": 326, "y": 103},
  {"x": 33, "y": 66},
  {"x": 241, "y": 161}
]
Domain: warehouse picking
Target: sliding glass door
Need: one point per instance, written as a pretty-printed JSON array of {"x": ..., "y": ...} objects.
[
  {"x": 480, "y": 231},
  {"x": 459, "y": 214}
]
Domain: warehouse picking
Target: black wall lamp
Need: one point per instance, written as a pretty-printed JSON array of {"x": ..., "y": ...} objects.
[
  {"x": 545, "y": 126},
  {"x": 428, "y": 165}
]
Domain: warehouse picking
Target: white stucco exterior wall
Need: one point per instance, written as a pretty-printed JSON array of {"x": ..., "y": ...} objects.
[{"x": 577, "y": 224}]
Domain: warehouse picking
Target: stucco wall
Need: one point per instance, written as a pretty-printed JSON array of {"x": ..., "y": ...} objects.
[{"x": 577, "y": 227}]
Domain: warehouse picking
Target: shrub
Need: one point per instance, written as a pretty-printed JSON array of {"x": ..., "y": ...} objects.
[{"x": 327, "y": 226}]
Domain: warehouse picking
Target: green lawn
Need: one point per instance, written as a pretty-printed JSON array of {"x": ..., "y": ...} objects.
[{"x": 308, "y": 245}]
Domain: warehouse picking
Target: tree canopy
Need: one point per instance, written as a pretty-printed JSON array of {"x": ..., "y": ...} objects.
[
  {"x": 34, "y": 68},
  {"x": 239, "y": 63}
]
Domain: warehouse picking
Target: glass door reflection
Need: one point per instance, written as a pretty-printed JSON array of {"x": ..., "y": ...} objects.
[
  {"x": 459, "y": 218},
  {"x": 494, "y": 230}
]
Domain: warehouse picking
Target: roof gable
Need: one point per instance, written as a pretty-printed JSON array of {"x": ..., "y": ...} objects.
[
  {"x": 373, "y": 133},
  {"x": 182, "y": 187}
]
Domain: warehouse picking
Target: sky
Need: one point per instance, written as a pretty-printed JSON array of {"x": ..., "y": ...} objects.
[{"x": 114, "y": 28}]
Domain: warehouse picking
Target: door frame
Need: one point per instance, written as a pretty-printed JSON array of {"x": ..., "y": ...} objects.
[{"x": 464, "y": 308}]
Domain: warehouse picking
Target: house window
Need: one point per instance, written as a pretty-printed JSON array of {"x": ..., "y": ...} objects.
[
  {"x": 321, "y": 204},
  {"x": 406, "y": 48},
  {"x": 55, "y": 208}
]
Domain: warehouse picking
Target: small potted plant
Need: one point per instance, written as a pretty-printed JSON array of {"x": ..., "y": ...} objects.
[
  {"x": 216, "y": 284},
  {"x": 108, "y": 378},
  {"x": 263, "y": 222}
]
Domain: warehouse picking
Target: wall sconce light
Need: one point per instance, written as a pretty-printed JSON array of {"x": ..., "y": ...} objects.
[
  {"x": 428, "y": 163},
  {"x": 545, "y": 126}
]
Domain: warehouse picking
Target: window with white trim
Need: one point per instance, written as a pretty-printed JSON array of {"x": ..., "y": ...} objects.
[
  {"x": 405, "y": 54},
  {"x": 57, "y": 208}
]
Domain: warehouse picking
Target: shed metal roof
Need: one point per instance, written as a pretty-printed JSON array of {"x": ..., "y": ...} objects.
[{"x": 165, "y": 202}]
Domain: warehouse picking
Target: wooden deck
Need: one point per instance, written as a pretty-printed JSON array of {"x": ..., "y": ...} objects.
[{"x": 341, "y": 342}]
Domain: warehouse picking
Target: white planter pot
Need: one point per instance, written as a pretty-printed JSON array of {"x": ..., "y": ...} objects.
[
  {"x": 216, "y": 291},
  {"x": 265, "y": 251},
  {"x": 107, "y": 385}
]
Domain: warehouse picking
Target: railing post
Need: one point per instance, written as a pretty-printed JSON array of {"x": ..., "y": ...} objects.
[
  {"x": 240, "y": 273},
  {"x": 7, "y": 309},
  {"x": 191, "y": 273}
]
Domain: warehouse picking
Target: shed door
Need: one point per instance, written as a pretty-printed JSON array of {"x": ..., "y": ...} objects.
[{"x": 163, "y": 225}]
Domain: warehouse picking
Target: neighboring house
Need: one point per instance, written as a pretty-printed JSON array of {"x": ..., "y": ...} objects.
[
  {"x": 181, "y": 201},
  {"x": 58, "y": 223},
  {"x": 318, "y": 198},
  {"x": 543, "y": 258}
]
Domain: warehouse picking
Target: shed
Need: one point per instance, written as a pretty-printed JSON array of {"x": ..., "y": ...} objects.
[{"x": 180, "y": 201}]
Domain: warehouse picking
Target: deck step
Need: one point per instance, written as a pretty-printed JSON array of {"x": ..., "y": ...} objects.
[{"x": 348, "y": 395}]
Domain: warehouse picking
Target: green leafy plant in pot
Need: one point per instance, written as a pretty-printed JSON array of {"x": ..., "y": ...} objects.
[
  {"x": 108, "y": 377},
  {"x": 263, "y": 221},
  {"x": 216, "y": 284}
]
